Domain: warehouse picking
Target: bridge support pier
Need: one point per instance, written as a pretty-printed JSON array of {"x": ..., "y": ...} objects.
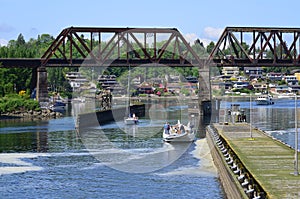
[
  {"x": 41, "y": 87},
  {"x": 204, "y": 92}
]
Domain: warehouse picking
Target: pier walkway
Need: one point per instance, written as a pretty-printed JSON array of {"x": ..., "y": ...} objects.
[{"x": 266, "y": 163}]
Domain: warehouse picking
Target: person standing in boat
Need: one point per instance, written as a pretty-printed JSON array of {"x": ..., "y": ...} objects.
[
  {"x": 167, "y": 128},
  {"x": 181, "y": 129}
]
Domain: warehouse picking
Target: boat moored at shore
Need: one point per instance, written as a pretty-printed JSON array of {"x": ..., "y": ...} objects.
[{"x": 264, "y": 100}]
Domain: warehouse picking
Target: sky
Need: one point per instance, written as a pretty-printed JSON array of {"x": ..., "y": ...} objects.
[{"x": 195, "y": 19}]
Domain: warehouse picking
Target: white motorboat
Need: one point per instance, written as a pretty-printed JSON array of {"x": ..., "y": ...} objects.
[
  {"x": 286, "y": 95},
  {"x": 131, "y": 119},
  {"x": 264, "y": 100},
  {"x": 179, "y": 133}
]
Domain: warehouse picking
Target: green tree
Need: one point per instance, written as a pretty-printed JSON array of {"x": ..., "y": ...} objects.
[{"x": 210, "y": 47}]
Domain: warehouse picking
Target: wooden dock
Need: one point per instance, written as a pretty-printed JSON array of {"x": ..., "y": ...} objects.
[{"x": 266, "y": 163}]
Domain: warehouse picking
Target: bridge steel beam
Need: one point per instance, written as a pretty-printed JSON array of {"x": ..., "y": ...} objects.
[
  {"x": 257, "y": 46},
  {"x": 120, "y": 47},
  {"x": 143, "y": 47}
]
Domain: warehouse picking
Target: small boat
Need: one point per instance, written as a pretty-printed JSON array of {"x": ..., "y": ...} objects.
[
  {"x": 179, "y": 133},
  {"x": 131, "y": 119},
  {"x": 58, "y": 106},
  {"x": 286, "y": 95},
  {"x": 264, "y": 100}
]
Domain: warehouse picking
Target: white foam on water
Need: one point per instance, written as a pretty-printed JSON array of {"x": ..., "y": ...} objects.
[
  {"x": 202, "y": 152},
  {"x": 136, "y": 159},
  {"x": 16, "y": 159},
  {"x": 205, "y": 166}
]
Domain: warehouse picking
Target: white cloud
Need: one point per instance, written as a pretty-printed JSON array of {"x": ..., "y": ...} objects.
[
  {"x": 3, "y": 42},
  {"x": 213, "y": 33},
  {"x": 191, "y": 38}
]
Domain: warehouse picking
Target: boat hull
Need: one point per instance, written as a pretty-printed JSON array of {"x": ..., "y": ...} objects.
[
  {"x": 264, "y": 102},
  {"x": 131, "y": 121},
  {"x": 186, "y": 137}
]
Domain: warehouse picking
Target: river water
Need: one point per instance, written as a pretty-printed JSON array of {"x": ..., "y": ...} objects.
[{"x": 50, "y": 159}]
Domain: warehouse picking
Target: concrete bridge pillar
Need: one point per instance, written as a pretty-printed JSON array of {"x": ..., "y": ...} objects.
[
  {"x": 204, "y": 92},
  {"x": 41, "y": 87}
]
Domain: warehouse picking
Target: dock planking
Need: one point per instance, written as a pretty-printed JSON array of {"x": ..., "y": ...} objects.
[{"x": 269, "y": 161}]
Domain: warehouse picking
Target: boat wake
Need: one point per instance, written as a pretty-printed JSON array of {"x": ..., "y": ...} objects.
[
  {"x": 204, "y": 167},
  {"x": 14, "y": 163}
]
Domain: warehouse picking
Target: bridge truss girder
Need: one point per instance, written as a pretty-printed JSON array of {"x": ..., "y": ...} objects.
[
  {"x": 123, "y": 46},
  {"x": 252, "y": 46}
]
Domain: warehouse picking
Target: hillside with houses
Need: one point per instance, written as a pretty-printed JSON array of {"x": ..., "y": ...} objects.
[
  {"x": 236, "y": 81},
  {"x": 169, "y": 85},
  {"x": 233, "y": 81}
]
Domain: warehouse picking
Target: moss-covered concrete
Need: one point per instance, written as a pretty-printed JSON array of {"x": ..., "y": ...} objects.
[{"x": 269, "y": 161}]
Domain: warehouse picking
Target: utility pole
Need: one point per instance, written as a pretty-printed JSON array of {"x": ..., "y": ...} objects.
[{"x": 296, "y": 172}]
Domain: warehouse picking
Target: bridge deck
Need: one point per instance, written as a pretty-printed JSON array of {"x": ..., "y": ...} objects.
[
  {"x": 37, "y": 62},
  {"x": 269, "y": 161}
]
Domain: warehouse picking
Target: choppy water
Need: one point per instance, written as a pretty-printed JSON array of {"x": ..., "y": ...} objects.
[{"x": 49, "y": 160}]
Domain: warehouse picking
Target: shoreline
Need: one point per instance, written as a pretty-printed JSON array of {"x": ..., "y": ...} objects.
[{"x": 43, "y": 114}]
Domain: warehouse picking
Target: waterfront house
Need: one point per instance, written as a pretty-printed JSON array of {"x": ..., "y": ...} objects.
[
  {"x": 290, "y": 79},
  {"x": 253, "y": 71},
  {"x": 109, "y": 83},
  {"x": 261, "y": 87},
  {"x": 281, "y": 89},
  {"x": 274, "y": 76},
  {"x": 230, "y": 71},
  {"x": 76, "y": 80},
  {"x": 192, "y": 79},
  {"x": 240, "y": 84},
  {"x": 145, "y": 88},
  {"x": 222, "y": 85},
  {"x": 294, "y": 89}
]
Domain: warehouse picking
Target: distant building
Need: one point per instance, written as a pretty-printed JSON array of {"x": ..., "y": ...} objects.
[
  {"x": 282, "y": 89},
  {"x": 173, "y": 78},
  {"x": 295, "y": 89},
  {"x": 76, "y": 80},
  {"x": 109, "y": 82},
  {"x": 145, "y": 88},
  {"x": 240, "y": 84},
  {"x": 253, "y": 71},
  {"x": 230, "y": 71},
  {"x": 191, "y": 79},
  {"x": 221, "y": 85},
  {"x": 290, "y": 79},
  {"x": 297, "y": 76},
  {"x": 274, "y": 76},
  {"x": 260, "y": 87}
]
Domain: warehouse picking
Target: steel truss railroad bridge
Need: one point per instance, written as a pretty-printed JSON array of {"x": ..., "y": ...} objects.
[{"x": 151, "y": 47}]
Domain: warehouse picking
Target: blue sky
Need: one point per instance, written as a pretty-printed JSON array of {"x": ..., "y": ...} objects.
[{"x": 194, "y": 18}]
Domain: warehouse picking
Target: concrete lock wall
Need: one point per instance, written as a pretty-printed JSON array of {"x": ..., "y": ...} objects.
[
  {"x": 227, "y": 181},
  {"x": 102, "y": 117}
]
